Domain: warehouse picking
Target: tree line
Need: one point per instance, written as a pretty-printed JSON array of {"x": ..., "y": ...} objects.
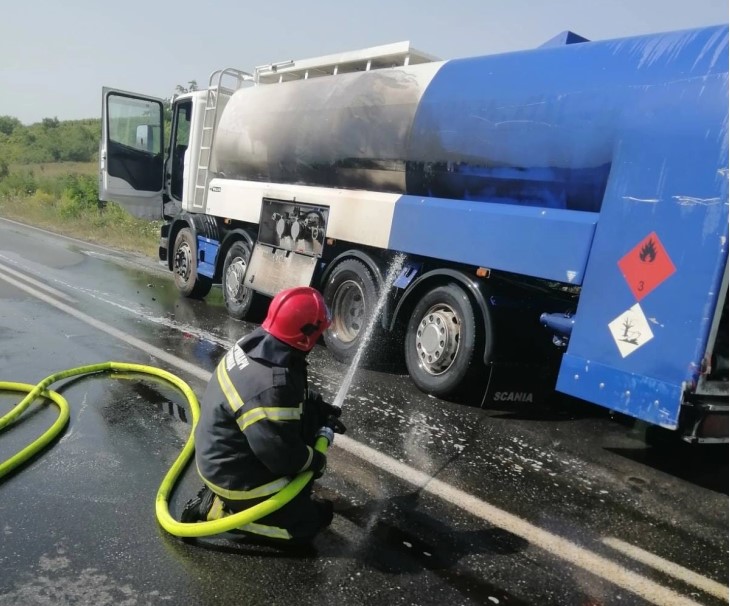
[
  {"x": 50, "y": 140},
  {"x": 54, "y": 140}
]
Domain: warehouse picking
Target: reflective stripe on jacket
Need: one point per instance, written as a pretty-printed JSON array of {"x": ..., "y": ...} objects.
[{"x": 255, "y": 432}]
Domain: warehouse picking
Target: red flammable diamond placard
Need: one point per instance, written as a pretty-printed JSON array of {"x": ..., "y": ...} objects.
[{"x": 646, "y": 266}]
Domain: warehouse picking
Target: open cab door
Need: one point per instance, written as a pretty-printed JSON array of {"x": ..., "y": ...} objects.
[{"x": 131, "y": 156}]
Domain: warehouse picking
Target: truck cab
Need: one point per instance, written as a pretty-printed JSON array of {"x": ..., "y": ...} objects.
[{"x": 137, "y": 170}]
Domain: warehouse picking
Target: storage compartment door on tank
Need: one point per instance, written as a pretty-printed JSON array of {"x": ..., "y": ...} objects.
[{"x": 290, "y": 243}]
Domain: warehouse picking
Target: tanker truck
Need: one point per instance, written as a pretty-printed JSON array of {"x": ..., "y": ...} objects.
[{"x": 559, "y": 214}]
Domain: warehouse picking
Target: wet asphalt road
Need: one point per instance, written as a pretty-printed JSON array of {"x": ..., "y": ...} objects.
[{"x": 436, "y": 502}]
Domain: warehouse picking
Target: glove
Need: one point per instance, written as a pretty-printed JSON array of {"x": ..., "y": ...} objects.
[
  {"x": 328, "y": 410},
  {"x": 336, "y": 425},
  {"x": 324, "y": 409},
  {"x": 319, "y": 465}
]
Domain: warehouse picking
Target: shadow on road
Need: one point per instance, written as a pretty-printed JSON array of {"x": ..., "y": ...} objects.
[{"x": 704, "y": 465}]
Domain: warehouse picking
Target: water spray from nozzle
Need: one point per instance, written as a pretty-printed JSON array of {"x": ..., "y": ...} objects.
[{"x": 393, "y": 270}]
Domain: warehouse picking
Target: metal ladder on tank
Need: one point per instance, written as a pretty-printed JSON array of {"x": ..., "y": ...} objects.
[{"x": 210, "y": 117}]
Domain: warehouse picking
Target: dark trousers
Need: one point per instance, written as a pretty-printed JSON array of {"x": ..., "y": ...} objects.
[{"x": 303, "y": 516}]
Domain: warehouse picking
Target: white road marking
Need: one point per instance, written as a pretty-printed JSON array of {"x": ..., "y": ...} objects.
[
  {"x": 103, "y": 297},
  {"x": 112, "y": 252},
  {"x": 110, "y": 330},
  {"x": 556, "y": 546},
  {"x": 36, "y": 283},
  {"x": 675, "y": 570},
  {"x": 203, "y": 335}
]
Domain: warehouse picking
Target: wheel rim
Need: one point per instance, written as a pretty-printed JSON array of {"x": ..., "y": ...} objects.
[
  {"x": 437, "y": 339},
  {"x": 235, "y": 273},
  {"x": 183, "y": 261},
  {"x": 348, "y": 311}
]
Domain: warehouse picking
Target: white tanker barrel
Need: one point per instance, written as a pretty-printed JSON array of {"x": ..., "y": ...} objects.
[
  {"x": 535, "y": 128},
  {"x": 414, "y": 130},
  {"x": 348, "y": 131}
]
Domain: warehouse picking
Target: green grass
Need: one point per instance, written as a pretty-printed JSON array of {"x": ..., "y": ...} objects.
[
  {"x": 63, "y": 198},
  {"x": 57, "y": 169}
]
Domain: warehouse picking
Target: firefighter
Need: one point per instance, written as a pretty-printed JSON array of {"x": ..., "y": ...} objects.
[{"x": 259, "y": 421}]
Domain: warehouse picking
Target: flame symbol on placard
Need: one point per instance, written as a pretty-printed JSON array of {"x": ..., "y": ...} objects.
[{"x": 648, "y": 252}]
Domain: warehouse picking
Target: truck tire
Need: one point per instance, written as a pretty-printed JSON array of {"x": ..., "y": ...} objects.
[
  {"x": 185, "y": 267},
  {"x": 237, "y": 297},
  {"x": 351, "y": 294},
  {"x": 442, "y": 342}
]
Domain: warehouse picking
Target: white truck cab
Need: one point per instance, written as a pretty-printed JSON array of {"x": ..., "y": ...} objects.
[{"x": 134, "y": 167}]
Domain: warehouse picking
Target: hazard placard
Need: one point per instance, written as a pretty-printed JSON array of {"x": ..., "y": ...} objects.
[
  {"x": 646, "y": 266},
  {"x": 630, "y": 330}
]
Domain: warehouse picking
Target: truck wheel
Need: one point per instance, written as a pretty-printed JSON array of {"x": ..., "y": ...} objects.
[
  {"x": 185, "y": 267},
  {"x": 351, "y": 294},
  {"x": 441, "y": 344},
  {"x": 238, "y": 298}
]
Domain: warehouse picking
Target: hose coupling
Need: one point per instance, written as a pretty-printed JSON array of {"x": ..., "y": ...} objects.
[{"x": 327, "y": 433}]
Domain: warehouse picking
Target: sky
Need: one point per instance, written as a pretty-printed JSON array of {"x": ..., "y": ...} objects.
[{"x": 55, "y": 56}]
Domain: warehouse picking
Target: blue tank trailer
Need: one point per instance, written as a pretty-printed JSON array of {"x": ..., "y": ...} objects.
[{"x": 599, "y": 165}]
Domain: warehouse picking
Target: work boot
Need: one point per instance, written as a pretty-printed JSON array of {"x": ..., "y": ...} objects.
[
  {"x": 325, "y": 511},
  {"x": 196, "y": 510}
]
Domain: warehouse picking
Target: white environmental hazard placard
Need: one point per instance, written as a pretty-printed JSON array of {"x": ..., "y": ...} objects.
[{"x": 630, "y": 330}]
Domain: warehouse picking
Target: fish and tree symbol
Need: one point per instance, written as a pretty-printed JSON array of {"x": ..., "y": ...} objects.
[
  {"x": 630, "y": 330},
  {"x": 630, "y": 334}
]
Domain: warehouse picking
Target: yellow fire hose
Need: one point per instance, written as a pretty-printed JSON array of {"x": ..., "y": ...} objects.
[{"x": 170, "y": 524}]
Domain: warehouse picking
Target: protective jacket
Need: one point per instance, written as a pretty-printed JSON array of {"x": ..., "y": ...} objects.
[{"x": 258, "y": 421}]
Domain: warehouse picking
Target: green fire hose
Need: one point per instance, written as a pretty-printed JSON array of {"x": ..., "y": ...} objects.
[{"x": 162, "y": 510}]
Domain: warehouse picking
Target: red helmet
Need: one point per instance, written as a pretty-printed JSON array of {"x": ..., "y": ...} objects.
[{"x": 297, "y": 316}]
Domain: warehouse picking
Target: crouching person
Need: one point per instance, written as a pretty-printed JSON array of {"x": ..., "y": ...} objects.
[{"x": 259, "y": 421}]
